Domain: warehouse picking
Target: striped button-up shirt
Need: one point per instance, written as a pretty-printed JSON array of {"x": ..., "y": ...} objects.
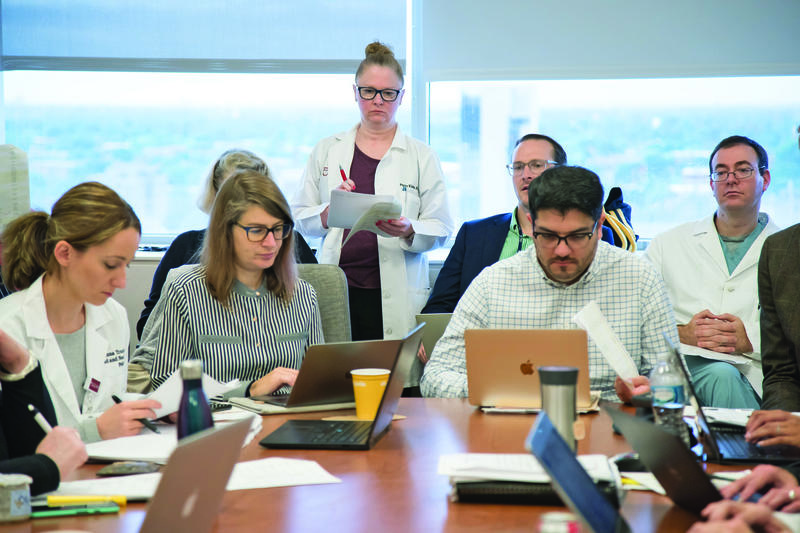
[
  {"x": 516, "y": 294},
  {"x": 256, "y": 333}
]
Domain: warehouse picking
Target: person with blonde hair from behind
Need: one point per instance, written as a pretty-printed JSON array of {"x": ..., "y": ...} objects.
[
  {"x": 387, "y": 275},
  {"x": 65, "y": 266},
  {"x": 242, "y": 310}
]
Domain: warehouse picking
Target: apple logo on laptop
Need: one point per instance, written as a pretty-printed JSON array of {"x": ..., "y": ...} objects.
[
  {"x": 526, "y": 368},
  {"x": 188, "y": 505}
]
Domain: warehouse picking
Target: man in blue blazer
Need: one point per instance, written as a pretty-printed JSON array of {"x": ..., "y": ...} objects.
[{"x": 483, "y": 242}]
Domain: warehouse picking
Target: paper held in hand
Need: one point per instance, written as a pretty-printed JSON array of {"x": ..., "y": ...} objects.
[
  {"x": 592, "y": 320},
  {"x": 357, "y": 212}
]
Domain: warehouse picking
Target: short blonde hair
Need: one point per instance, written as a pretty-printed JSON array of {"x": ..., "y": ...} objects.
[
  {"x": 86, "y": 215},
  {"x": 241, "y": 191},
  {"x": 229, "y": 162}
]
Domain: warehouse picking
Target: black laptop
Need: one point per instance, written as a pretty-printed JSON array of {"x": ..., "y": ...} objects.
[
  {"x": 571, "y": 481},
  {"x": 324, "y": 377},
  {"x": 668, "y": 458},
  {"x": 725, "y": 443},
  {"x": 351, "y": 435}
]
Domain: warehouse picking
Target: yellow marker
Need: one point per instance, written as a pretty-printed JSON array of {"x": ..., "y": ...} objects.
[
  {"x": 628, "y": 481},
  {"x": 82, "y": 500}
]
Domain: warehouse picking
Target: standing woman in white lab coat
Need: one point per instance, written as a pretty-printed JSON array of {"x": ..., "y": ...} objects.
[
  {"x": 387, "y": 276},
  {"x": 65, "y": 266}
]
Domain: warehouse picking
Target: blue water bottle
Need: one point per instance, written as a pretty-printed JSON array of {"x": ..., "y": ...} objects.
[{"x": 194, "y": 412}]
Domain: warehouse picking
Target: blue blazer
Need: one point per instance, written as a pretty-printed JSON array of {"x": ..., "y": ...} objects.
[{"x": 477, "y": 245}]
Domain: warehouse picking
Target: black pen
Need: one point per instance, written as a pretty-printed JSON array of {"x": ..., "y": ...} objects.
[{"x": 148, "y": 424}]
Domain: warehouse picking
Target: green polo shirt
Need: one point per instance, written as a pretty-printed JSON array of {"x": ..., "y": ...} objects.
[{"x": 516, "y": 241}]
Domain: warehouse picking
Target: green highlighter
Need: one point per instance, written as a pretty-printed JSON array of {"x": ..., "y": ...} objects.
[{"x": 45, "y": 511}]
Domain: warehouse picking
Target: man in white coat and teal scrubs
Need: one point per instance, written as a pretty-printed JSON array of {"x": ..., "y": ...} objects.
[{"x": 710, "y": 268}]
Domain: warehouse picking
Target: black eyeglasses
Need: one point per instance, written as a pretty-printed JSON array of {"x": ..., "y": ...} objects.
[
  {"x": 387, "y": 95},
  {"x": 740, "y": 173},
  {"x": 574, "y": 240},
  {"x": 537, "y": 166},
  {"x": 259, "y": 233}
]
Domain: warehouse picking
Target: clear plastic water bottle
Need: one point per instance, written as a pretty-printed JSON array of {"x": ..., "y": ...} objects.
[
  {"x": 669, "y": 397},
  {"x": 194, "y": 413}
]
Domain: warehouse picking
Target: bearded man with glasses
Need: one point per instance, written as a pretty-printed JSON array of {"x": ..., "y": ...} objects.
[
  {"x": 710, "y": 267},
  {"x": 545, "y": 286}
]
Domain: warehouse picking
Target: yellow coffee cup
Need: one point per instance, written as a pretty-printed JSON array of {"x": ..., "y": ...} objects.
[{"x": 368, "y": 387}]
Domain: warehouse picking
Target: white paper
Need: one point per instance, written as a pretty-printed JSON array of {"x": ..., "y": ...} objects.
[
  {"x": 512, "y": 467},
  {"x": 136, "y": 487},
  {"x": 379, "y": 211},
  {"x": 688, "y": 349},
  {"x": 347, "y": 207},
  {"x": 261, "y": 473},
  {"x": 646, "y": 481},
  {"x": 278, "y": 472},
  {"x": 149, "y": 446},
  {"x": 592, "y": 320},
  {"x": 170, "y": 392}
]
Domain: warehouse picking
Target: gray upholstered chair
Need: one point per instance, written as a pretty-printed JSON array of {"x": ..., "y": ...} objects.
[{"x": 330, "y": 284}]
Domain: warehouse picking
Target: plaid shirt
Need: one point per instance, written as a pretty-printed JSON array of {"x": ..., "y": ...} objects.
[{"x": 516, "y": 294}]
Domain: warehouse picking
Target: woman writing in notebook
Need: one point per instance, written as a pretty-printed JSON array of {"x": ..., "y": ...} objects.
[
  {"x": 242, "y": 310},
  {"x": 66, "y": 265}
]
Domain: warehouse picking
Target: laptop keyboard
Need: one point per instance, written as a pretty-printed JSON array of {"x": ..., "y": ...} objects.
[
  {"x": 733, "y": 444},
  {"x": 343, "y": 432}
]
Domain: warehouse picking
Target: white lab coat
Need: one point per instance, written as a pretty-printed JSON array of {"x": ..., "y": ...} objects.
[
  {"x": 690, "y": 259},
  {"x": 410, "y": 171},
  {"x": 24, "y": 317}
]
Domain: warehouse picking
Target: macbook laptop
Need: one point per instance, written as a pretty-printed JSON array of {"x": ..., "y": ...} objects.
[
  {"x": 324, "y": 376},
  {"x": 501, "y": 364},
  {"x": 188, "y": 498},
  {"x": 670, "y": 461},
  {"x": 725, "y": 442},
  {"x": 571, "y": 481},
  {"x": 352, "y": 435}
]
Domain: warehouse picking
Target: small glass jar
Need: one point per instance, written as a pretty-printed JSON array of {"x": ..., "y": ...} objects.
[{"x": 15, "y": 497}]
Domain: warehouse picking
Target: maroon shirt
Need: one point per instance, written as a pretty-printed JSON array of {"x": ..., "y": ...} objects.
[{"x": 359, "y": 257}]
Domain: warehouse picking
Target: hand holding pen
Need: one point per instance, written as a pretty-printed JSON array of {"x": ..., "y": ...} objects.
[
  {"x": 125, "y": 418},
  {"x": 147, "y": 423},
  {"x": 61, "y": 444},
  {"x": 347, "y": 184}
]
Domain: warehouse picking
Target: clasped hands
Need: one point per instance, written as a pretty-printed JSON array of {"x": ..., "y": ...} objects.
[{"x": 723, "y": 333}]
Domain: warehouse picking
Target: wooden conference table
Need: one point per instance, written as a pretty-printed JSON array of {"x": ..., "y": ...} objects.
[{"x": 394, "y": 486}]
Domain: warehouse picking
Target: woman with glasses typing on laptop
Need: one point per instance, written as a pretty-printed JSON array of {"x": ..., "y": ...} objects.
[
  {"x": 185, "y": 249},
  {"x": 387, "y": 276},
  {"x": 65, "y": 266},
  {"x": 242, "y": 310}
]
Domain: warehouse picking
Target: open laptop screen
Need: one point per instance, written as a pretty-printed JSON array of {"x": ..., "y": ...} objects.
[{"x": 571, "y": 481}]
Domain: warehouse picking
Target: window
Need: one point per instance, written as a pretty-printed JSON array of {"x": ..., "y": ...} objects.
[
  {"x": 651, "y": 137},
  {"x": 152, "y": 137}
]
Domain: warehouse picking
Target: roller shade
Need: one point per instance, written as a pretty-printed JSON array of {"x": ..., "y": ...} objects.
[
  {"x": 599, "y": 39},
  {"x": 233, "y": 35}
]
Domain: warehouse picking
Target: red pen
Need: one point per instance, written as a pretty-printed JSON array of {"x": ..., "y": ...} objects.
[{"x": 341, "y": 171}]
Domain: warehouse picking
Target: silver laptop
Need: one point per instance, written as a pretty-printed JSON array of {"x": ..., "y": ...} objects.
[
  {"x": 435, "y": 324},
  {"x": 324, "y": 376},
  {"x": 502, "y": 363},
  {"x": 188, "y": 498}
]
